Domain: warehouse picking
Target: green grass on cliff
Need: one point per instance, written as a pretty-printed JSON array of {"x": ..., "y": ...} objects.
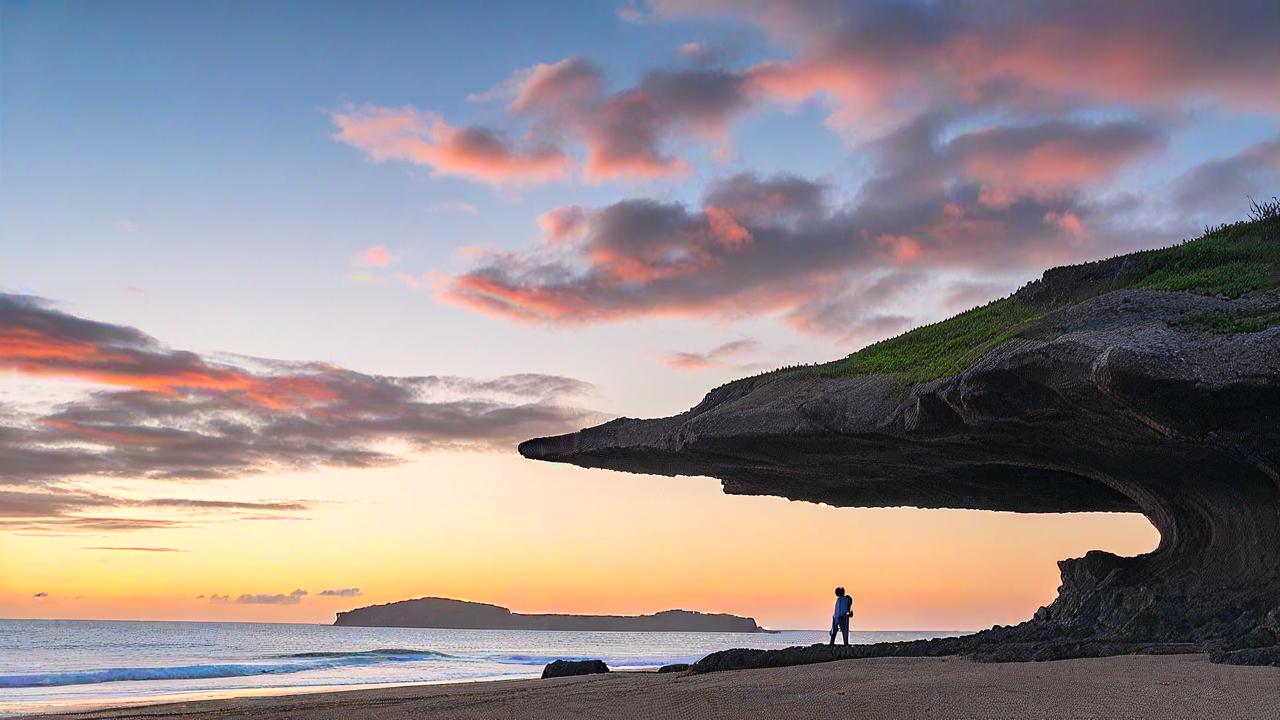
[
  {"x": 1230, "y": 260},
  {"x": 1242, "y": 321}
]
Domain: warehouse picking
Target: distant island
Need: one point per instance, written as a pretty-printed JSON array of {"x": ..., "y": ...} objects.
[{"x": 434, "y": 612}]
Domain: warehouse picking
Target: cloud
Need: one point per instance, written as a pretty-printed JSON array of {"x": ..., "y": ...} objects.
[
  {"x": 937, "y": 200},
  {"x": 1225, "y": 184},
  {"x": 376, "y": 256},
  {"x": 621, "y": 135},
  {"x": 149, "y": 411},
  {"x": 877, "y": 64},
  {"x": 64, "y": 501},
  {"x": 41, "y": 595},
  {"x": 136, "y": 549},
  {"x": 65, "y": 508},
  {"x": 852, "y": 312},
  {"x": 719, "y": 356},
  {"x": 341, "y": 592},
  {"x": 1054, "y": 152},
  {"x": 462, "y": 207},
  {"x": 565, "y": 223},
  {"x": 218, "y": 599},
  {"x": 789, "y": 20},
  {"x": 292, "y": 598},
  {"x": 425, "y": 139},
  {"x": 78, "y": 524},
  {"x": 879, "y": 61},
  {"x": 624, "y": 133}
]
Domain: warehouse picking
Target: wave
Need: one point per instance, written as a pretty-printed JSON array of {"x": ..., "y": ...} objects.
[
  {"x": 299, "y": 662},
  {"x": 389, "y": 653},
  {"x": 309, "y": 661},
  {"x": 613, "y": 662}
]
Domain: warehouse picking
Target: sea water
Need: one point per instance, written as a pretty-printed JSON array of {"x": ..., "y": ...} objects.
[{"x": 58, "y": 665}]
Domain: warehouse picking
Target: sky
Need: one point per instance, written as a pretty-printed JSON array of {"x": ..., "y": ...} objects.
[{"x": 282, "y": 284}]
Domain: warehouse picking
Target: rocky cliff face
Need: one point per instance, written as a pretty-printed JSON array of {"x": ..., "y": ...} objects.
[
  {"x": 459, "y": 614},
  {"x": 1120, "y": 404}
]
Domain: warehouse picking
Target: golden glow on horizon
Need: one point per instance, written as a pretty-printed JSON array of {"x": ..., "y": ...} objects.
[{"x": 547, "y": 538}]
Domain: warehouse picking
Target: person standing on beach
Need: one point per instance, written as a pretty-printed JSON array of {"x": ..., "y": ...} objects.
[{"x": 840, "y": 616}]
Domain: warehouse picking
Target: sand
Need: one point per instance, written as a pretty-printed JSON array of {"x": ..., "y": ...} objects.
[{"x": 1182, "y": 686}]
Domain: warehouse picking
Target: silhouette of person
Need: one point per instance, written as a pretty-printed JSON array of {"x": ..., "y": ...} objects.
[{"x": 840, "y": 616}]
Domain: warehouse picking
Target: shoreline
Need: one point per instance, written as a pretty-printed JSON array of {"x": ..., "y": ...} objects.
[
  {"x": 1178, "y": 686},
  {"x": 240, "y": 693}
]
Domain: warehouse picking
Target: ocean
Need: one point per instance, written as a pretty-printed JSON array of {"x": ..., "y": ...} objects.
[{"x": 59, "y": 665}]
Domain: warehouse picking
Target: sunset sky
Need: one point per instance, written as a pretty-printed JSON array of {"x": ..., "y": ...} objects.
[{"x": 282, "y": 284}]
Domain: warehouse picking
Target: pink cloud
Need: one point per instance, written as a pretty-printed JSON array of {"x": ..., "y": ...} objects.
[
  {"x": 789, "y": 251},
  {"x": 878, "y": 65},
  {"x": 565, "y": 223},
  {"x": 423, "y": 139},
  {"x": 1054, "y": 153},
  {"x": 727, "y": 355},
  {"x": 1068, "y": 222},
  {"x": 878, "y": 62},
  {"x": 376, "y": 256}
]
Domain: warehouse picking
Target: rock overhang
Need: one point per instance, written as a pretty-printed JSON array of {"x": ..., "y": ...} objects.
[{"x": 1121, "y": 410}]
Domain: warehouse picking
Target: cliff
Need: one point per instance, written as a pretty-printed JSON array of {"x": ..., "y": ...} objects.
[
  {"x": 434, "y": 612},
  {"x": 1145, "y": 383}
]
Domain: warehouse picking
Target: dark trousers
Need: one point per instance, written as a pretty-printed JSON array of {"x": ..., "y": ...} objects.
[{"x": 842, "y": 624}]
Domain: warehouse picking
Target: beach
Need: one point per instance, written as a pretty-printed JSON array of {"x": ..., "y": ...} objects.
[{"x": 1181, "y": 686}]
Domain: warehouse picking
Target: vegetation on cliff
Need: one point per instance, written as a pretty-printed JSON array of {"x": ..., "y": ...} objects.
[{"x": 1231, "y": 260}]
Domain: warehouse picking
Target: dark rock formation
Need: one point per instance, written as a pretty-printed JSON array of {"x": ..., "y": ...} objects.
[
  {"x": 459, "y": 614},
  {"x": 1122, "y": 407},
  {"x": 569, "y": 668},
  {"x": 674, "y": 668},
  {"x": 996, "y": 645}
]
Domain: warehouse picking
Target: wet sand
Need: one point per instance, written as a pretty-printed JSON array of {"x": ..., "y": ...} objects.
[{"x": 1180, "y": 686}]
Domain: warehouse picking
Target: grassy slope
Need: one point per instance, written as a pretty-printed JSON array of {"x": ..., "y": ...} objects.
[{"x": 1232, "y": 261}]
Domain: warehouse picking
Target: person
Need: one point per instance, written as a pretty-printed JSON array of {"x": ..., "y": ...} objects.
[{"x": 840, "y": 617}]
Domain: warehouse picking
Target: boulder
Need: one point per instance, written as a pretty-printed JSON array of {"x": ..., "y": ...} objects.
[{"x": 569, "y": 668}]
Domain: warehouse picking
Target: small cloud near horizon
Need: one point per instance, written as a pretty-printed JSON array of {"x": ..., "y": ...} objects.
[
  {"x": 340, "y": 592},
  {"x": 41, "y": 595},
  {"x": 134, "y": 549},
  {"x": 292, "y": 598}
]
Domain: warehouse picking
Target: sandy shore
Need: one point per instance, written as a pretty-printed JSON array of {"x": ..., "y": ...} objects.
[{"x": 1183, "y": 686}]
